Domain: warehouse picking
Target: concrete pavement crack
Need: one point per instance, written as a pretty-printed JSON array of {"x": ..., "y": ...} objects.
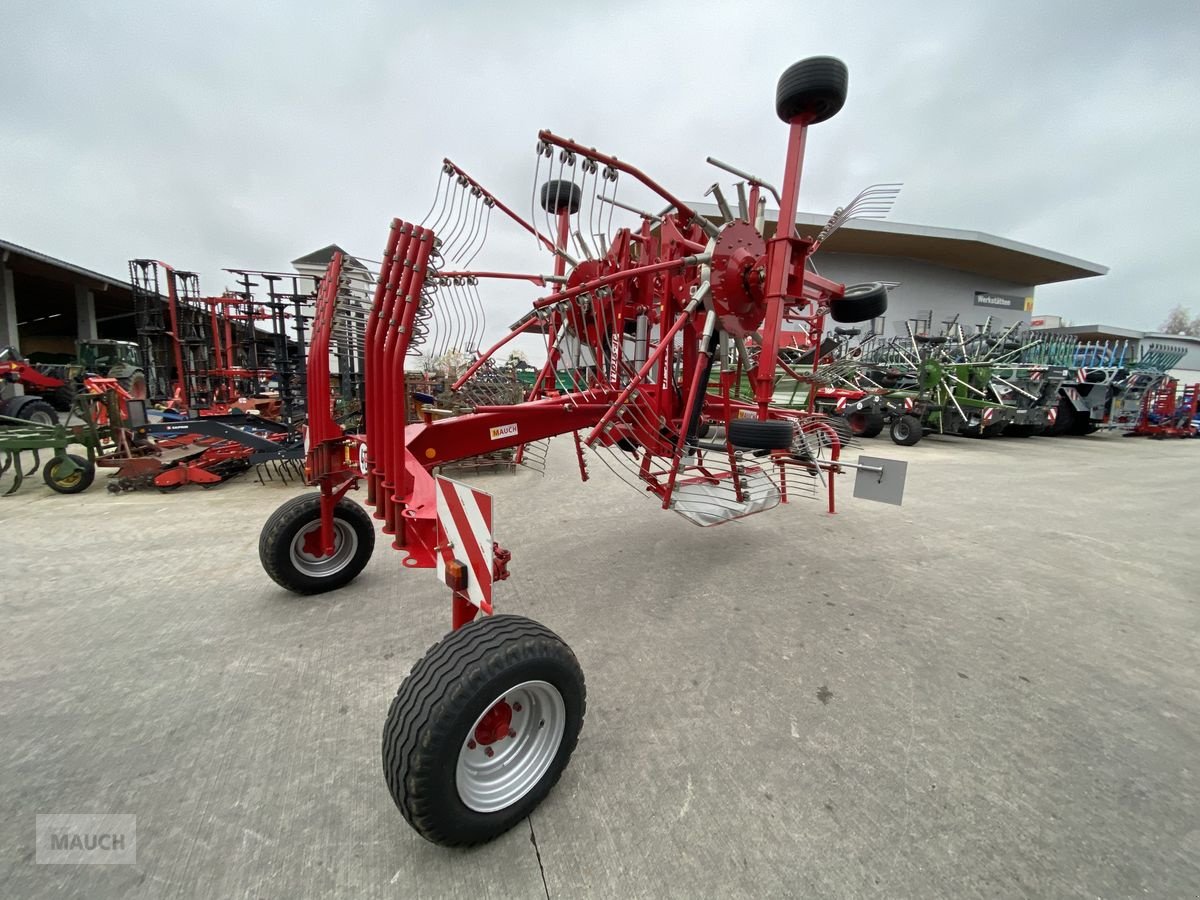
[{"x": 537, "y": 851}]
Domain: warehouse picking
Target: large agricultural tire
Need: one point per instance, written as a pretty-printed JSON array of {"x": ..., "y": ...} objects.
[
  {"x": 751, "y": 434},
  {"x": 860, "y": 303},
  {"x": 285, "y": 545},
  {"x": 1020, "y": 431},
  {"x": 561, "y": 195},
  {"x": 80, "y": 478},
  {"x": 482, "y": 728},
  {"x": 1064, "y": 418},
  {"x": 865, "y": 424},
  {"x": 35, "y": 410},
  {"x": 814, "y": 88},
  {"x": 136, "y": 385},
  {"x": 1083, "y": 425},
  {"x": 62, "y": 398},
  {"x": 906, "y": 430}
]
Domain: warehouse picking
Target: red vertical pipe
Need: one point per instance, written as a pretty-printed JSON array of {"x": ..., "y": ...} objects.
[
  {"x": 369, "y": 351},
  {"x": 403, "y": 481},
  {"x": 384, "y": 335},
  {"x": 393, "y": 392},
  {"x": 172, "y": 310},
  {"x": 779, "y": 264}
]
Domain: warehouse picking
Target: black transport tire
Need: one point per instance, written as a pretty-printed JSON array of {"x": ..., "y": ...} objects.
[
  {"x": 559, "y": 195},
  {"x": 906, "y": 430},
  {"x": 704, "y": 429},
  {"x": 79, "y": 480},
  {"x": 281, "y": 550},
  {"x": 814, "y": 88},
  {"x": 1019, "y": 431},
  {"x": 136, "y": 385},
  {"x": 1083, "y": 425},
  {"x": 429, "y": 737},
  {"x": 865, "y": 424},
  {"x": 1064, "y": 418},
  {"x": 62, "y": 398},
  {"x": 751, "y": 434},
  {"x": 860, "y": 303},
  {"x": 36, "y": 410}
]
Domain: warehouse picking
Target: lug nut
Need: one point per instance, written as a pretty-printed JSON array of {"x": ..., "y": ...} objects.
[
  {"x": 490, "y": 752},
  {"x": 511, "y": 733},
  {"x": 516, "y": 707},
  {"x": 471, "y": 745}
]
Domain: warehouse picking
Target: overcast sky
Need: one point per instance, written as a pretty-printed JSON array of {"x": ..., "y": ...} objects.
[{"x": 246, "y": 134}]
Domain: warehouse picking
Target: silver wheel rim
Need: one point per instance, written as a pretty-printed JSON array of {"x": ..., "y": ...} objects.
[
  {"x": 42, "y": 418},
  {"x": 518, "y": 760},
  {"x": 345, "y": 545}
]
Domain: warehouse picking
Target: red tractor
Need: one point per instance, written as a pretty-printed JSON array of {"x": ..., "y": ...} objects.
[{"x": 649, "y": 331}]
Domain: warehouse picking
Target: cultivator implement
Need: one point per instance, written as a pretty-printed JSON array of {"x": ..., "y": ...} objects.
[{"x": 665, "y": 339}]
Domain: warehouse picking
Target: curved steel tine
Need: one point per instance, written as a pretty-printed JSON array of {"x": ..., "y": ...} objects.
[{"x": 37, "y": 461}]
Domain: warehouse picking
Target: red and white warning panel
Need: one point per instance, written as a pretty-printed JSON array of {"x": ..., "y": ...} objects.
[{"x": 465, "y": 546}]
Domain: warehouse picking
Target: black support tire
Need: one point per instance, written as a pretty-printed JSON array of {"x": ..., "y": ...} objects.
[
  {"x": 559, "y": 195},
  {"x": 80, "y": 478},
  {"x": 135, "y": 385},
  {"x": 865, "y": 424},
  {"x": 286, "y": 545},
  {"x": 814, "y": 88},
  {"x": 482, "y": 728},
  {"x": 1064, "y": 418},
  {"x": 860, "y": 303},
  {"x": 62, "y": 398},
  {"x": 37, "y": 411},
  {"x": 751, "y": 434},
  {"x": 906, "y": 430}
]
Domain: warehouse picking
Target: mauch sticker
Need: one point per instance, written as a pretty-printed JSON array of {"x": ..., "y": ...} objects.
[{"x": 503, "y": 431}]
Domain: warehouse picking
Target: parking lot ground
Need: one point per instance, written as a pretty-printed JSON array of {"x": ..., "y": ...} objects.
[{"x": 992, "y": 691}]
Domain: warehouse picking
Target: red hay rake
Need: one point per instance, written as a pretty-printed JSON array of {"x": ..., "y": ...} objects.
[{"x": 650, "y": 331}]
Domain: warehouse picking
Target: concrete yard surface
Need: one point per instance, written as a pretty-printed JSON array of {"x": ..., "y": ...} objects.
[{"x": 992, "y": 691}]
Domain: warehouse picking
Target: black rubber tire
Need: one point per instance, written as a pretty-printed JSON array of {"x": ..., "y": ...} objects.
[
  {"x": 815, "y": 88},
  {"x": 136, "y": 385},
  {"x": 865, "y": 424},
  {"x": 62, "y": 398},
  {"x": 751, "y": 434},
  {"x": 79, "y": 480},
  {"x": 1083, "y": 425},
  {"x": 704, "y": 429},
  {"x": 439, "y": 701},
  {"x": 906, "y": 430},
  {"x": 559, "y": 195},
  {"x": 861, "y": 303},
  {"x": 36, "y": 410},
  {"x": 1064, "y": 418},
  {"x": 275, "y": 542},
  {"x": 1020, "y": 431}
]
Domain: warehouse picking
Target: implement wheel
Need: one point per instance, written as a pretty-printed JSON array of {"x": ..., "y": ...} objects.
[
  {"x": 906, "y": 430},
  {"x": 69, "y": 474},
  {"x": 865, "y": 424},
  {"x": 482, "y": 728},
  {"x": 289, "y": 545},
  {"x": 751, "y": 434},
  {"x": 814, "y": 88}
]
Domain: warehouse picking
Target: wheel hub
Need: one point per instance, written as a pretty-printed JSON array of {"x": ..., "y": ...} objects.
[
  {"x": 495, "y": 724},
  {"x": 510, "y": 746}
]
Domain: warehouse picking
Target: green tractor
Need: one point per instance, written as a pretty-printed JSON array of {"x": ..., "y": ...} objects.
[{"x": 121, "y": 360}]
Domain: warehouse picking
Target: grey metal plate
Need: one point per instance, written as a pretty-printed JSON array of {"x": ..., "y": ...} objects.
[{"x": 884, "y": 487}]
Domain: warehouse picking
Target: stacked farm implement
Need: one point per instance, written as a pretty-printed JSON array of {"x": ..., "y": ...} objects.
[{"x": 658, "y": 336}]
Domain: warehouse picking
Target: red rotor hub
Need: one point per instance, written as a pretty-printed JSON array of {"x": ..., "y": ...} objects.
[{"x": 736, "y": 292}]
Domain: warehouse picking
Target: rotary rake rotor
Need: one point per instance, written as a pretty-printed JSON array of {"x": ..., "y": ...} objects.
[{"x": 665, "y": 337}]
